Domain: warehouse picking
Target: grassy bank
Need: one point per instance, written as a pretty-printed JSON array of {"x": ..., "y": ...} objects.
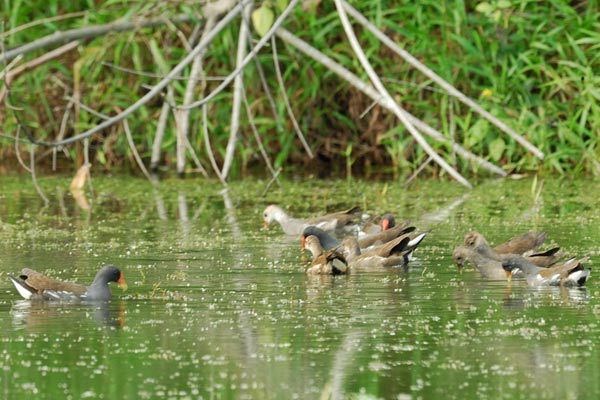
[{"x": 535, "y": 65}]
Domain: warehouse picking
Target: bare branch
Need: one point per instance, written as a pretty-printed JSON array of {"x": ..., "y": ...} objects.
[
  {"x": 89, "y": 32},
  {"x": 195, "y": 157},
  {"x": 273, "y": 179},
  {"x": 10, "y": 66},
  {"x": 4, "y": 135},
  {"x": 128, "y": 134}
]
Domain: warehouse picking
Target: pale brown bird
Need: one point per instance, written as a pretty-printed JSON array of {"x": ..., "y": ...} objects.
[
  {"x": 329, "y": 262},
  {"x": 295, "y": 226}
]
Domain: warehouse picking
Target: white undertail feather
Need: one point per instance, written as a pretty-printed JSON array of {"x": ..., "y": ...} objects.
[
  {"x": 417, "y": 239},
  {"x": 577, "y": 275},
  {"x": 23, "y": 291},
  {"x": 413, "y": 243}
]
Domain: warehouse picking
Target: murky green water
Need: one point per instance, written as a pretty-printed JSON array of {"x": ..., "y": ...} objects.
[{"x": 219, "y": 308}]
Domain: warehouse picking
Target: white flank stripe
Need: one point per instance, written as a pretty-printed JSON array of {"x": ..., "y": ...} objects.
[{"x": 23, "y": 291}]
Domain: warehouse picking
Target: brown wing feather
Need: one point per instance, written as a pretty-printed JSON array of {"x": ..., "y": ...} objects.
[
  {"x": 520, "y": 244},
  {"x": 545, "y": 259},
  {"x": 385, "y": 249},
  {"x": 343, "y": 217},
  {"x": 42, "y": 282},
  {"x": 385, "y": 236},
  {"x": 564, "y": 269}
]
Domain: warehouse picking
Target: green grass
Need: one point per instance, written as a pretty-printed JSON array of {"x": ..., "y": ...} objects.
[{"x": 535, "y": 65}]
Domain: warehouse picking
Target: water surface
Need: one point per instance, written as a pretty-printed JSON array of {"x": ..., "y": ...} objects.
[{"x": 218, "y": 307}]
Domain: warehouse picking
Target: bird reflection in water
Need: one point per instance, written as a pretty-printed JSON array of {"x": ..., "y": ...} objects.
[{"x": 32, "y": 315}]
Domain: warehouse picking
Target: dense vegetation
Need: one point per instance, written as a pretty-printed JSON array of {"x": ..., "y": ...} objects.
[{"x": 535, "y": 65}]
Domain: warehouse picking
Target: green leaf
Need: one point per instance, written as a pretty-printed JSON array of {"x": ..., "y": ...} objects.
[
  {"x": 158, "y": 56},
  {"x": 262, "y": 19},
  {"x": 497, "y": 15},
  {"x": 497, "y": 148},
  {"x": 503, "y": 4},
  {"x": 484, "y": 7},
  {"x": 281, "y": 5},
  {"x": 477, "y": 132}
]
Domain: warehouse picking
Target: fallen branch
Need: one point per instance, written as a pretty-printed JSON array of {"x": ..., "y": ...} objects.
[
  {"x": 373, "y": 94},
  {"x": 89, "y": 32},
  {"x": 436, "y": 78}
]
